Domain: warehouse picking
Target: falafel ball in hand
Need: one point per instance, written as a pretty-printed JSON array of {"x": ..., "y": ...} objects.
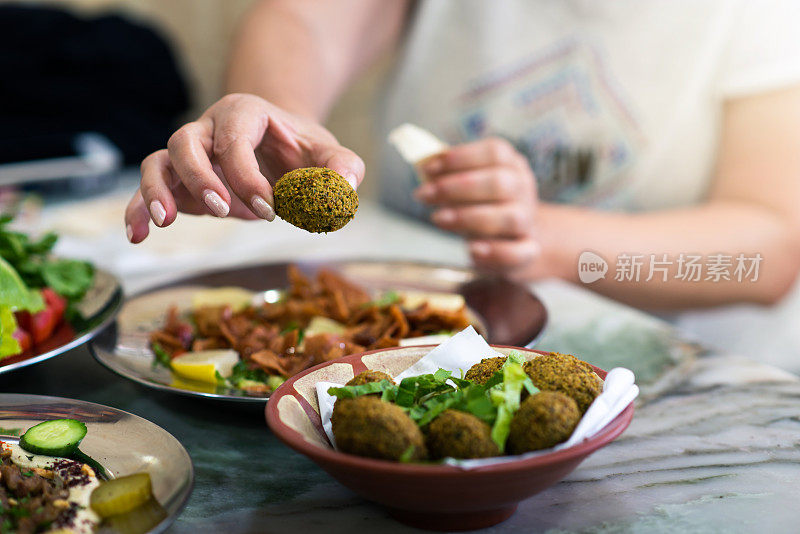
[{"x": 316, "y": 199}]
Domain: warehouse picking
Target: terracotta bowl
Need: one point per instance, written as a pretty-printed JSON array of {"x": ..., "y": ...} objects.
[{"x": 437, "y": 497}]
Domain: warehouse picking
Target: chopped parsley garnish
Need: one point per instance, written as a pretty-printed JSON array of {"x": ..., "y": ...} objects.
[{"x": 161, "y": 356}]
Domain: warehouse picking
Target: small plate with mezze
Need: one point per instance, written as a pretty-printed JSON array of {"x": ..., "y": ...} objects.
[
  {"x": 48, "y": 304},
  {"x": 298, "y": 315},
  {"x": 84, "y": 467}
]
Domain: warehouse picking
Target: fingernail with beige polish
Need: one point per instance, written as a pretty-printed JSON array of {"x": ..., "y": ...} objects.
[
  {"x": 444, "y": 216},
  {"x": 158, "y": 212},
  {"x": 262, "y": 208},
  {"x": 432, "y": 166},
  {"x": 479, "y": 249},
  {"x": 215, "y": 203},
  {"x": 129, "y": 232}
]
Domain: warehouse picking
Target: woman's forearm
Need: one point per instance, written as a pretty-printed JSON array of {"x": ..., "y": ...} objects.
[
  {"x": 300, "y": 54},
  {"x": 718, "y": 232}
]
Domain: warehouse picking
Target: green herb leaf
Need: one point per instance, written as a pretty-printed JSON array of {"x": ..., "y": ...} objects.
[
  {"x": 291, "y": 325},
  {"x": 387, "y": 299},
  {"x": 221, "y": 380},
  {"x": 162, "y": 357},
  {"x": 70, "y": 278},
  {"x": 29, "y": 258},
  {"x": 407, "y": 455},
  {"x": 351, "y": 392},
  {"x": 242, "y": 372}
]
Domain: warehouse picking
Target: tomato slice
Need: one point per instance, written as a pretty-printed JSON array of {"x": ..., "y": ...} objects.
[
  {"x": 40, "y": 325},
  {"x": 54, "y": 300},
  {"x": 23, "y": 338}
]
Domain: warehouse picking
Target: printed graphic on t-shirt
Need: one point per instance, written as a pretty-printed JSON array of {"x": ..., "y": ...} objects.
[{"x": 562, "y": 109}]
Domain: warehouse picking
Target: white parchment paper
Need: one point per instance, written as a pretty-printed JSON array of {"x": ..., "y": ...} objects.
[{"x": 467, "y": 348}]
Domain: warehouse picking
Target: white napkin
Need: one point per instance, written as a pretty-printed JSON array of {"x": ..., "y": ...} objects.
[{"x": 467, "y": 348}]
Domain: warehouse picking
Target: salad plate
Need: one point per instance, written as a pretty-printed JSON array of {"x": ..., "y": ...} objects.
[
  {"x": 98, "y": 307},
  {"x": 504, "y": 311},
  {"x": 117, "y": 442},
  {"x": 48, "y": 304}
]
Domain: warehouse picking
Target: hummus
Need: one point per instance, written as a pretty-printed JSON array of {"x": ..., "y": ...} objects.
[{"x": 77, "y": 478}]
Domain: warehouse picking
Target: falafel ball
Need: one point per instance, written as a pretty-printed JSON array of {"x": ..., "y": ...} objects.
[
  {"x": 542, "y": 421},
  {"x": 316, "y": 199},
  {"x": 481, "y": 372},
  {"x": 368, "y": 376},
  {"x": 461, "y": 435},
  {"x": 367, "y": 426},
  {"x": 567, "y": 374}
]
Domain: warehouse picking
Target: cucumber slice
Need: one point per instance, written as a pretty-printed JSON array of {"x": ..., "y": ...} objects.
[
  {"x": 82, "y": 457},
  {"x": 59, "y": 437},
  {"x": 121, "y": 494}
]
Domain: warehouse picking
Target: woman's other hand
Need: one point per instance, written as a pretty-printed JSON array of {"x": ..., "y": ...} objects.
[{"x": 485, "y": 191}]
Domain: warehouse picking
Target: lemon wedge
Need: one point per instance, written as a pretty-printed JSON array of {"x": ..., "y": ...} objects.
[
  {"x": 324, "y": 325},
  {"x": 204, "y": 365},
  {"x": 236, "y": 297},
  {"x": 179, "y": 382},
  {"x": 437, "y": 301}
]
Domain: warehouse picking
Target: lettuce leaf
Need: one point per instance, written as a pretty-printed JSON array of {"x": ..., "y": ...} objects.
[
  {"x": 351, "y": 392},
  {"x": 506, "y": 396},
  {"x": 9, "y": 346},
  {"x": 14, "y": 294}
]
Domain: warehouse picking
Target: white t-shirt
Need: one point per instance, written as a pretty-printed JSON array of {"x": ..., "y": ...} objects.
[{"x": 617, "y": 103}]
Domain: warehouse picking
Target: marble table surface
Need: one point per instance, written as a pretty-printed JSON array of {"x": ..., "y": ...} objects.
[{"x": 714, "y": 445}]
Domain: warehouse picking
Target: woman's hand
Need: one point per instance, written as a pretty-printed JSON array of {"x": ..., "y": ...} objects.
[
  {"x": 486, "y": 192},
  {"x": 225, "y": 163}
]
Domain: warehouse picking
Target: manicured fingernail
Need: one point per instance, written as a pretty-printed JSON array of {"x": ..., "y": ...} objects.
[
  {"x": 432, "y": 166},
  {"x": 129, "y": 232},
  {"x": 480, "y": 249},
  {"x": 262, "y": 208},
  {"x": 444, "y": 217},
  {"x": 215, "y": 203},
  {"x": 425, "y": 193},
  {"x": 158, "y": 212},
  {"x": 352, "y": 181}
]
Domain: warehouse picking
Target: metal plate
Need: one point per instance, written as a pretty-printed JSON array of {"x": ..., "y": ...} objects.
[
  {"x": 508, "y": 312},
  {"x": 100, "y": 305},
  {"x": 121, "y": 442}
]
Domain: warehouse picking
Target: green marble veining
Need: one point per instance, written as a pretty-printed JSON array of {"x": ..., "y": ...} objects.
[{"x": 608, "y": 334}]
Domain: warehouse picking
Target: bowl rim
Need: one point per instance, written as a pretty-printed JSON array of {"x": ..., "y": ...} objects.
[{"x": 296, "y": 441}]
